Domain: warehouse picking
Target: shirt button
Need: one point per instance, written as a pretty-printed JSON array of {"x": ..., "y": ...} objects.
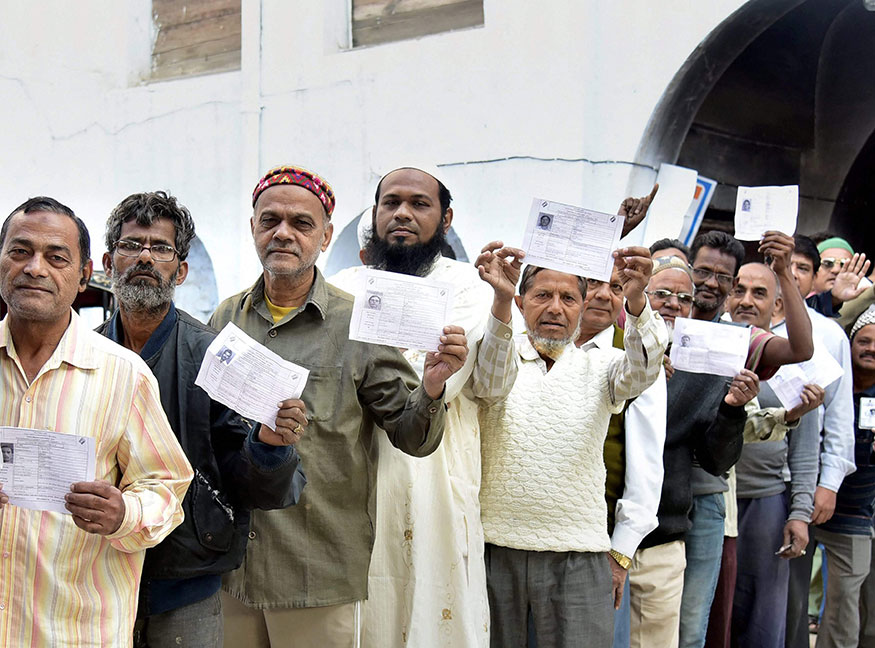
[
  {"x": 208, "y": 537},
  {"x": 28, "y": 398},
  {"x": 2, "y": 606},
  {"x": 272, "y": 333},
  {"x": 252, "y": 535},
  {"x": 432, "y": 409},
  {"x": 6, "y": 554},
  {"x": 507, "y": 336}
]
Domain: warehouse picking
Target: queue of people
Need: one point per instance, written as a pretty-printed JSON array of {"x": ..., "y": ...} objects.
[{"x": 563, "y": 486}]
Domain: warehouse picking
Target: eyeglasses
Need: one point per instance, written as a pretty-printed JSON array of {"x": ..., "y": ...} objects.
[
  {"x": 724, "y": 280},
  {"x": 595, "y": 284},
  {"x": 830, "y": 262},
  {"x": 665, "y": 295},
  {"x": 161, "y": 253}
]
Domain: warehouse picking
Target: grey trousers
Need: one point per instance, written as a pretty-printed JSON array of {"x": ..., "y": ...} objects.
[
  {"x": 847, "y": 558},
  {"x": 568, "y": 594},
  {"x": 867, "y": 608},
  {"x": 198, "y": 625}
]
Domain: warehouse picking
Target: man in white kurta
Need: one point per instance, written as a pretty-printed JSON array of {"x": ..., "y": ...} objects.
[{"x": 427, "y": 581}]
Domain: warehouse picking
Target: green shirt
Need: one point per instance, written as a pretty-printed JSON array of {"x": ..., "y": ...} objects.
[{"x": 317, "y": 552}]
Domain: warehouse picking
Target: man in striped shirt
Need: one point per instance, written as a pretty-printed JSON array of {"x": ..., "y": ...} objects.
[{"x": 72, "y": 580}]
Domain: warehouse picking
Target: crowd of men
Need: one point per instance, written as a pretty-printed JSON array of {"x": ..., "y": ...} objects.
[{"x": 562, "y": 486}]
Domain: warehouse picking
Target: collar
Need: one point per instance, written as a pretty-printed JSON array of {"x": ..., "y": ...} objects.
[
  {"x": 602, "y": 340},
  {"x": 156, "y": 340},
  {"x": 73, "y": 348},
  {"x": 317, "y": 299}
]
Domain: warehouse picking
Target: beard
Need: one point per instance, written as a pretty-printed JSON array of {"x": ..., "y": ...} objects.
[
  {"x": 416, "y": 259},
  {"x": 138, "y": 296},
  {"x": 553, "y": 347}
]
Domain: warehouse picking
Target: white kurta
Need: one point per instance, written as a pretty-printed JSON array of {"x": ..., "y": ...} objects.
[{"x": 427, "y": 579}]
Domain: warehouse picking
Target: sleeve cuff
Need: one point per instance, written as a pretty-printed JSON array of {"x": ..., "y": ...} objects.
[
  {"x": 638, "y": 321},
  {"x": 831, "y": 477},
  {"x": 425, "y": 405},
  {"x": 498, "y": 328},
  {"x": 626, "y": 540},
  {"x": 264, "y": 455}
]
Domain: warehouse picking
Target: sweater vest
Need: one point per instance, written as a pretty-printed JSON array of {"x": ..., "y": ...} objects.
[{"x": 543, "y": 486}]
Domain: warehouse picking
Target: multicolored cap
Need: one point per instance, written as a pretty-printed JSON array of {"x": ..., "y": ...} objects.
[{"x": 294, "y": 175}]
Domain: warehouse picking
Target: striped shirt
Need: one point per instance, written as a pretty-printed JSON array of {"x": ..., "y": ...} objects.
[{"x": 61, "y": 586}]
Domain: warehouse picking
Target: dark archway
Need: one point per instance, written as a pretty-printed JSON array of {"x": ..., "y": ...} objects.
[{"x": 779, "y": 93}]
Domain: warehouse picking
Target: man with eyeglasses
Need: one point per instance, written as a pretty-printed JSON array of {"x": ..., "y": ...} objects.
[
  {"x": 705, "y": 419},
  {"x": 715, "y": 258},
  {"x": 835, "y": 252},
  {"x": 237, "y": 466},
  {"x": 632, "y": 449}
]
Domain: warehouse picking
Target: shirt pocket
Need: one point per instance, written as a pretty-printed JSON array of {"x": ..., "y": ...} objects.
[{"x": 213, "y": 516}]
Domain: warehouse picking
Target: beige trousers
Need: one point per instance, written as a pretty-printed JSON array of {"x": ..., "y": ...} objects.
[
  {"x": 333, "y": 626},
  {"x": 656, "y": 582}
]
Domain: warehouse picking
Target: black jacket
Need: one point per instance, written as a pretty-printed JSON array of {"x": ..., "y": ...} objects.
[
  {"x": 233, "y": 472},
  {"x": 698, "y": 423}
]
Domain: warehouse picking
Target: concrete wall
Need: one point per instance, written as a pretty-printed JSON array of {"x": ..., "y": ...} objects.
[{"x": 494, "y": 106}]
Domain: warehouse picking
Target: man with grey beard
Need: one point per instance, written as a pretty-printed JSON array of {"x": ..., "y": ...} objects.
[
  {"x": 542, "y": 436},
  {"x": 238, "y": 466}
]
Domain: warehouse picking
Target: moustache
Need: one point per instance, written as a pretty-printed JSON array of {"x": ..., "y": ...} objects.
[
  {"x": 272, "y": 247},
  {"x": 141, "y": 269},
  {"x": 39, "y": 285}
]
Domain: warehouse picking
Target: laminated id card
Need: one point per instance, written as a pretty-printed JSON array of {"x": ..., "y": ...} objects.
[{"x": 867, "y": 414}]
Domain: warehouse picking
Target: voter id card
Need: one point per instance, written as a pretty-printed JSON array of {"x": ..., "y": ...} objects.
[{"x": 867, "y": 414}]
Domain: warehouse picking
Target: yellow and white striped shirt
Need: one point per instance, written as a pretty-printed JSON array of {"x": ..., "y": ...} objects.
[{"x": 61, "y": 586}]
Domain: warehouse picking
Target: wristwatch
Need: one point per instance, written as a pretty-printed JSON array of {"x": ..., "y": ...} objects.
[{"x": 623, "y": 561}]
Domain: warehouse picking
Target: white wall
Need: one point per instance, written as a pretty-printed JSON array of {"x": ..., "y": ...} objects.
[{"x": 550, "y": 79}]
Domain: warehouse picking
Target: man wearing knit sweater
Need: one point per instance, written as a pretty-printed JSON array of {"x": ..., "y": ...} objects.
[{"x": 543, "y": 489}]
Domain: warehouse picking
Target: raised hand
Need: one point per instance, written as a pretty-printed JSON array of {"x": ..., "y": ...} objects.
[
  {"x": 499, "y": 266},
  {"x": 812, "y": 397},
  {"x": 634, "y": 265},
  {"x": 847, "y": 282},
  {"x": 779, "y": 247},
  {"x": 633, "y": 210},
  {"x": 291, "y": 419},
  {"x": 743, "y": 388},
  {"x": 449, "y": 358}
]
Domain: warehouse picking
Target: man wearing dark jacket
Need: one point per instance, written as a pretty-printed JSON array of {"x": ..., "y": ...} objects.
[
  {"x": 237, "y": 466},
  {"x": 704, "y": 419}
]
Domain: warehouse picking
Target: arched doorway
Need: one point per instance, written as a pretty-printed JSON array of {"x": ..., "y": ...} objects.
[{"x": 782, "y": 92}]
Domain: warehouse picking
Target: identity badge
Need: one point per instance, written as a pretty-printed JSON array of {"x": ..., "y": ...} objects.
[{"x": 867, "y": 414}]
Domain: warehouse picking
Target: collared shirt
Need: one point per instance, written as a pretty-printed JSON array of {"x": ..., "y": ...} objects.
[
  {"x": 317, "y": 553},
  {"x": 644, "y": 441},
  {"x": 837, "y": 412},
  {"x": 61, "y": 586},
  {"x": 543, "y": 440}
]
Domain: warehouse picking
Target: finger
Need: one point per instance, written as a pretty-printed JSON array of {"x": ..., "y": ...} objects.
[
  {"x": 505, "y": 252},
  {"x": 492, "y": 246},
  {"x": 87, "y": 525},
  {"x": 652, "y": 194},
  {"x": 99, "y": 488},
  {"x": 452, "y": 329}
]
